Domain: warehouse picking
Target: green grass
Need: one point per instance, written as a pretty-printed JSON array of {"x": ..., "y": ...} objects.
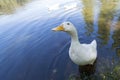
[{"x": 9, "y": 6}]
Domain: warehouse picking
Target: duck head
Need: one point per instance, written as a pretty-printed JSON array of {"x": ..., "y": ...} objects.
[{"x": 66, "y": 27}]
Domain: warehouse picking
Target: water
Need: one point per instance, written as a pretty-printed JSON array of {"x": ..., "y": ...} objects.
[{"x": 30, "y": 50}]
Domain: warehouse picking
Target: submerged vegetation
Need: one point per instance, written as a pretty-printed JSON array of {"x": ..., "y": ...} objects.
[{"x": 9, "y": 6}]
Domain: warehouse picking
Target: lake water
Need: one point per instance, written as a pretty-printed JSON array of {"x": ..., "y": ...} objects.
[{"x": 30, "y": 50}]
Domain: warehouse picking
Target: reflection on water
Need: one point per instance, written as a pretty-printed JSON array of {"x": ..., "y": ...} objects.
[
  {"x": 116, "y": 38},
  {"x": 88, "y": 15},
  {"x": 31, "y": 51},
  {"x": 108, "y": 34},
  {"x": 9, "y": 6},
  {"x": 105, "y": 19}
]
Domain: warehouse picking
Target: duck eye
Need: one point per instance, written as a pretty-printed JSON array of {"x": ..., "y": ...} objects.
[{"x": 68, "y": 23}]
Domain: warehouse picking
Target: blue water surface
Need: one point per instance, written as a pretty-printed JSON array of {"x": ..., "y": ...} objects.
[{"x": 30, "y": 50}]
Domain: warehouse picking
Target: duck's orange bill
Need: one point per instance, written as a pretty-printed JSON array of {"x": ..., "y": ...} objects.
[{"x": 59, "y": 28}]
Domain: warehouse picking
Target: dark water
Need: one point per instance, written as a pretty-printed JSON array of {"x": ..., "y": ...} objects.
[{"x": 29, "y": 50}]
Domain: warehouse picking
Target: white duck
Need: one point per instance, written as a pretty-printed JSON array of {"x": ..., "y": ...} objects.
[{"x": 80, "y": 54}]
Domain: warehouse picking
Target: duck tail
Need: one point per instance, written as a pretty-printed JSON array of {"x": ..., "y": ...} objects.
[{"x": 94, "y": 43}]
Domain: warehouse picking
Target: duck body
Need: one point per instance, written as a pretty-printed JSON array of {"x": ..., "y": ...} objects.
[
  {"x": 80, "y": 54},
  {"x": 83, "y": 54}
]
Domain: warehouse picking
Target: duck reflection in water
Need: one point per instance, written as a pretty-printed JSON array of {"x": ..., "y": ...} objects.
[{"x": 87, "y": 70}]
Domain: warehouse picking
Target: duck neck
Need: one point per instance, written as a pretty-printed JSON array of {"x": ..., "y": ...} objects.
[{"x": 74, "y": 36}]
